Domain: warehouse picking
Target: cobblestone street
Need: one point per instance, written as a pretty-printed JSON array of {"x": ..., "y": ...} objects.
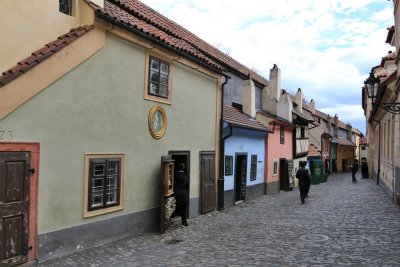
[{"x": 341, "y": 224}]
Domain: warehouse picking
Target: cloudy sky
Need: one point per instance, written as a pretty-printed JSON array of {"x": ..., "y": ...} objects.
[{"x": 325, "y": 47}]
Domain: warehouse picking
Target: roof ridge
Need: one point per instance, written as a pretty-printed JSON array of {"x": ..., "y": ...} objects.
[{"x": 221, "y": 58}]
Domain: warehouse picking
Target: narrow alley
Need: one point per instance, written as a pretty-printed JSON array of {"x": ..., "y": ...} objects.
[{"x": 341, "y": 224}]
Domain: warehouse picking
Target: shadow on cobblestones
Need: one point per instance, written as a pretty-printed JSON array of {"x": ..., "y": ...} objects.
[{"x": 341, "y": 224}]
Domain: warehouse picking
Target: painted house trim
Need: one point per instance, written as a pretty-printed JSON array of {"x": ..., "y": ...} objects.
[{"x": 34, "y": 149}]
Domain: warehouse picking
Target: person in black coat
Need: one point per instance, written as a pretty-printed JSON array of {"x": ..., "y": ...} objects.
[
  {"x": 181, "y": 186},
  {"x": 364, "y": 168},
  {"x": 304, "y": 180},
  {"x": 354, "y": 169}
]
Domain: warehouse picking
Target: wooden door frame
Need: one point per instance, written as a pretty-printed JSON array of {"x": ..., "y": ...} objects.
[
  {"x": 235, "y": 176},
  {"x": 201, "y": 154},
  {"x": 34, "y": 149}
]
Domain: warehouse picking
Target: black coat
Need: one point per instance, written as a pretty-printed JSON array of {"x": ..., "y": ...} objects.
[
  {"x": 303, "y": 176},
  {"x": 181, "y": 186},
  {"x": 354, "y": 168}
]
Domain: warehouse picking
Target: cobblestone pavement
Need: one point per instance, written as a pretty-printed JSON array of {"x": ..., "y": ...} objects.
[{"x": 341, "y": 224}]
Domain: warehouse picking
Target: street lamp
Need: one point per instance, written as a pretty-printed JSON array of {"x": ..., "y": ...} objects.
[{"x": 372, "y": 84}]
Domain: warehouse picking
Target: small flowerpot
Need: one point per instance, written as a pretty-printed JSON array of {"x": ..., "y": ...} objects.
[{"x": 398, "y": 199}]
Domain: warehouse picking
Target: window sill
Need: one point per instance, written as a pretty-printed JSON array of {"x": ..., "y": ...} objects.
[
  {"x": 158, "y": 99},
  {"x": 89, "y": 214}
]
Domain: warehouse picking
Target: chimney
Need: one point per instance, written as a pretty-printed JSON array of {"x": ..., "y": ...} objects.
[
  {"x": 275, "y": 82},
  {"x": 349, "y": 129},
  {"x": 298, "y": 99},
  {"x": 249, "y": 98},
  {"x": 336, "y": 122},
  {"x": 312, "y": 106},
  {"x": 272, "y": 92},
  {"x": 329, "y": 119},
  {"x": 285, "y": 107}
]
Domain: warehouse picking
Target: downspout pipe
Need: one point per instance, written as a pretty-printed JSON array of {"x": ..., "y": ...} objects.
[
  {"x": 221, "y": 179},
  {"x": 379, "y": 152}
]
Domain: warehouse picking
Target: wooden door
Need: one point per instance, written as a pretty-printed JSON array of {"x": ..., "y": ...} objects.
[
  {"x": 14, "y": 207},
  {"x": 240, "y": 177},
  {"x": 166, "y": 190},
  {"x": 207, "y": 180}
]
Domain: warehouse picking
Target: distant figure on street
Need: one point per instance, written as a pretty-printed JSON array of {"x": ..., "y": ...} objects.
[
  {"x": 364, "y": 168},
  {"x": 181, "y": 186},
  {"x": 354, "y": 169},
  {"x": 304, "y": 181}
]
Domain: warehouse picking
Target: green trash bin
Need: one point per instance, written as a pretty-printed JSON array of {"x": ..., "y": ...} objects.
[{"x": 316, "y": 172}]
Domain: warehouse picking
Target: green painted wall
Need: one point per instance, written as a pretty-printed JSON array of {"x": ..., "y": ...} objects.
[{"x": 99, "y": 107}]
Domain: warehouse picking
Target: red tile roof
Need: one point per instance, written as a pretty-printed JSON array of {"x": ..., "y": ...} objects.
[
  {"x": 313, "y": 152},
  {"x": 276, "y": 119},
  {"x": 237, "y": 118},
  {"x": 137, "y": 16},
  {"x": 43, "y": 53}
]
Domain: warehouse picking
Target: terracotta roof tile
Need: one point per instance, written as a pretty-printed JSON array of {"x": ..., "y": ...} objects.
[
  {"x": 276, "y": 119},
  {"x": 135, "y": 14},
  {"x": 120, "y": 13},
  {"x": 237, "y": 118},
  {"x": 43, "y": 53},
  {"x": 313, "y": 152}
]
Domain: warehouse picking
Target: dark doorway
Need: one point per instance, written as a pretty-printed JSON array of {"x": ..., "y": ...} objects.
[
  {"x": 344, "y": 165},
  {"x": 14, "y": 207},
  {"x": 240, "y": 177},
  {"x": 207, "y": 181},
  {"x": 285, "y": 174},
  {"x": 334, "y": 165},
  {"x": 327, "y": 170},
  {"x": 183, "y": 157}
]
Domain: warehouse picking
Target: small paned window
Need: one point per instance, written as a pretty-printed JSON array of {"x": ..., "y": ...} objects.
[
  {"x": 158, "y": 78},
  {"x": 275, "y": 171},
  {"x": 104, "y": 183},
  {"x": 302, "y": 132},
  {"x": 282, "y": 135},
  {"x": 65, "y": 6},
  {"x": 363, "y": 148},
  {"x": 228, "y": 165},
  {"x": 253, "y": 168}
]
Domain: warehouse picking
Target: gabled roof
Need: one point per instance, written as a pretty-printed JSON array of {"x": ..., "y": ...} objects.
[
  {"x": 276, "y": 119},
  {"x": 136, "y": 16},
  {"x": 303, "y": 116},
  {"x": 238, "y": 119},
  {"x": 43, "y": 53},
  {"x": 324, "y": 126},
  {"x": 344, "y": 142}
]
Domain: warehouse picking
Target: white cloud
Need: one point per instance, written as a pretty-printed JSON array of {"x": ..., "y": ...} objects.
[{"x": 325, "y": 47}]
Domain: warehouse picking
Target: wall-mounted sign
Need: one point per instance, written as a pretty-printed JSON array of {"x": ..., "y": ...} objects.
[{"x": 157, "y": 122}]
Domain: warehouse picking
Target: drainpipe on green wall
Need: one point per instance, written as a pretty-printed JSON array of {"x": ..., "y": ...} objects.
[{"x": 221, "y": 179}]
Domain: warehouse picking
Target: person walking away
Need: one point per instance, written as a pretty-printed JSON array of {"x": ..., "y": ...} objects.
[
  {"x": 181, "y": 186},
  {"x": 354, "y": 169},
  {"x": 364, "y": 168},
  {"x": 304, "y": 180}
]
